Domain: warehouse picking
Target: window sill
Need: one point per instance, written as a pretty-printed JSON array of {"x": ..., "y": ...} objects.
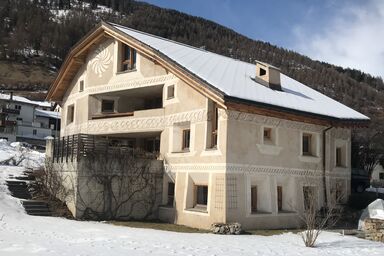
[
  {"x": 283, "y": 212},
  {"x": 309, "y": 159},
  {"x": 259, "y": 213},
  {"x": 126, "y": 71},
  {"x": 211, "y": 152},
  {"x": 197, "y": 210},
  {"x": 269, "y": 149},
  {"x": 181, "y": 153}
]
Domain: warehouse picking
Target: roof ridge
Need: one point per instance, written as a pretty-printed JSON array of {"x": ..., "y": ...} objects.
[{"x": 176, "y": 42}]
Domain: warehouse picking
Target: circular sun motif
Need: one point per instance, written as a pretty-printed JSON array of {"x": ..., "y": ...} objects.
[{"x": 100, "y": 62}]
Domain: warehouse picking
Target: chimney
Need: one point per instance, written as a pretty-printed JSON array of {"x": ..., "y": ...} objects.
[
  {"x": 11, "y": 96},
  {"x": 268, "y": 75}
]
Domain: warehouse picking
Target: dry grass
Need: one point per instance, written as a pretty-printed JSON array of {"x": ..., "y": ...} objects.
[{"x": 158, "y": 226}]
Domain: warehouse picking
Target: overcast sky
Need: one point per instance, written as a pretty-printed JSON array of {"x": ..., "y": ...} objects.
[{"x": 349, "y": 33}]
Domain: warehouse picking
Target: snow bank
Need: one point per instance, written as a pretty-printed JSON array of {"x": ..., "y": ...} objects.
[{"x": 24, "y": 156}]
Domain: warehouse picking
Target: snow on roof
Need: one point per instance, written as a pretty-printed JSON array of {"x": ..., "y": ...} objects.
[
  {"x": 25, "y": 100},
  {"x": 234, "y": 78},
  {"x": 46, "y": 113}
]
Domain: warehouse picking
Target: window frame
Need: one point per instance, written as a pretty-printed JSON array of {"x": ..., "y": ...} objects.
[
  {"x": 109, "y": 101},
  {"x": 128, "y": 63},
  {"x": 171, "y": 196},
  {"x": 70, "y": 114},
  {"x": 170, "y": 88},
  {"x": 279, "y": 198},
  {"x": 81, "y": 86},
  {"x": 196, "y": 203},
  {"x": 186, "y": 139},
  {"x": 310, "y": 142},
  {"x": 254, "y": 193},
  {"x": 339, "y": 157}
]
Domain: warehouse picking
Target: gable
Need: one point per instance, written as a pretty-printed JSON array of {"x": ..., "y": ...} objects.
[{"x": 78, "y": 56}]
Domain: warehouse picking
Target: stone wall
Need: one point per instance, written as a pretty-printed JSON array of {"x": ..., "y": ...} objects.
[{"x": 374, "y": 229}]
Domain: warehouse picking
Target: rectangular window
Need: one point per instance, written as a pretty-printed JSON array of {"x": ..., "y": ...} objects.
[
  {"x": 18, "y": 107},
  {"x": 309, "y": 197},
  {"x": 338, "y": 192},
  {"x": 307, "y": 144},
  {"x": 254, "y": 198},
  {"x": 267, "y": 134},
  {"x": 171, "y": 193},
  {"x": 170, "y": 92},
  {"x": 34, "y": 131},
  {"x": 279, "y": 198},
  {"x": 107, "y": 106},
  {"x": 215, "y": 124},
  {"x": 201, "y": 195},
  {"x": 381, "y": 175},
  {"x": 338, "y": 157},
  {"x": 81, "y": 86},
  {"x": 128, "y": 60},
  {"x": 186, "y": 139},
  {"x": 70, "y": 113}
]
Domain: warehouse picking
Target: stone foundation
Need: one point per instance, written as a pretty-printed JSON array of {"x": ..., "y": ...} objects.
[{"x": 226, "y": 229}]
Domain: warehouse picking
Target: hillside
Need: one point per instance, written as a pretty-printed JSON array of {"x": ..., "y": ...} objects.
[{"x": 39, "y": 33}]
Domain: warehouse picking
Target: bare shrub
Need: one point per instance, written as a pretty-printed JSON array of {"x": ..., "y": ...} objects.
[
  {"x": 120, "y": 182},
  {"x": 317, "y": 220}
]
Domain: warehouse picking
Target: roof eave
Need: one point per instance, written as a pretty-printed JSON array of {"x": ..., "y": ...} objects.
[{"x": 243, "y": 105}]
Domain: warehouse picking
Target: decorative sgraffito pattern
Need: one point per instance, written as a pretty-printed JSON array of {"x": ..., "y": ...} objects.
[
  {"x": 130, "y": 124},
  {"x": 271, "y": 121},
  {"x": 100, "y": 63},
  {"x": 219, "y": 193},
  {"x": 232, "y": 192}
]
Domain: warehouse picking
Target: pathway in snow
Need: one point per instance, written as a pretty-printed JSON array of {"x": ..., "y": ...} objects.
[{"x": 21, "y": 234}]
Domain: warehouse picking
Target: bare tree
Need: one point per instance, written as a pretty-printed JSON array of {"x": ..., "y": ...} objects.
[
  {"x": 117, "y": 184},
  {"x": 316, "y": 220},
  {"x": 368, "y": 152}
]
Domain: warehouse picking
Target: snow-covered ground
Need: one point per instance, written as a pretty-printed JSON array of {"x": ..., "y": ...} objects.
[{"x": 21, "y": 234}]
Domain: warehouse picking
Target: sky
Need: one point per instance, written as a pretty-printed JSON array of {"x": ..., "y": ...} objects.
[{"x": 349, "y": 33}]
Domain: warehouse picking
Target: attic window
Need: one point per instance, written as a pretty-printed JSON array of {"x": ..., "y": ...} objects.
[
  {"x": 262, "y": 72},
  {"x": 81, "y": 86},
  {"x": 128, "y": 58},
  {"x": 171, "y": 92}
]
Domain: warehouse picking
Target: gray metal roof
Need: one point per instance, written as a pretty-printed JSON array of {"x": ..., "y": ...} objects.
[{"x": 234, "y": 78}]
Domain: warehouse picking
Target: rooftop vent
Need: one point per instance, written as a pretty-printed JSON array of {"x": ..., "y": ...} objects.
[{"x": 268, "y": 75}]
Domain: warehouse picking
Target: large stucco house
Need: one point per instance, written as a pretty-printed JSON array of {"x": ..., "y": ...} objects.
[{"x": 238, "y": 142}]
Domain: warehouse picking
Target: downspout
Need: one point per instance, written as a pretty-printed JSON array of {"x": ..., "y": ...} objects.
[{"x": 324, "y": 162}]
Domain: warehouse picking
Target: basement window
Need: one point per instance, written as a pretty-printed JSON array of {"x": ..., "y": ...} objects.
[
  {"x": 128, "y": 58},
  {"x": 171, "y": 193},
  {"x": 254, "y": 199},
  {"x": 279, "y": 198},
  {"x": 201, "y": 196}
]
